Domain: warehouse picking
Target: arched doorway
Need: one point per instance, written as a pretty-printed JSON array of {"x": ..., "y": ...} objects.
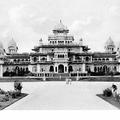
[
  {"x": 61, "y": 68},
  {"x": 70, "y": 69},
  {"x": 51, "y": 69}
]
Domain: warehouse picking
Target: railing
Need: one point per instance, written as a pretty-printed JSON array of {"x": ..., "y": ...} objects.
[{"x": 60, "y": 75}]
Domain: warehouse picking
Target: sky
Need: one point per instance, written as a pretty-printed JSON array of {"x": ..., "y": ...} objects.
[{"x": 27, "y": 21}]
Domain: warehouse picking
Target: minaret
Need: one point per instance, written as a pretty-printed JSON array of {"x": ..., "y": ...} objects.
[
  {"x": 109, "y": 45},
  {"x": 12, "y": 47},
  {"x": 40, "y": 44}
]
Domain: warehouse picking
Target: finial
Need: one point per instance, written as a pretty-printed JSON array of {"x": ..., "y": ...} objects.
[
  {"x": 81, "y": 39},
  {"x": 40, "y": 39},
  {"x": 12, "y": 35}
]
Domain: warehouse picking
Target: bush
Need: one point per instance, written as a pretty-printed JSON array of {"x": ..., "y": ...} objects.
[
  {"x": 4, "y": 98},
  {"x": 17, "y": 86},
  {"x": 107, "y": 92}
]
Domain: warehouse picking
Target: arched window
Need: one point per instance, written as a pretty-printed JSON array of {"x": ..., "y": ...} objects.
[
  {"x": 34, "y": 69},
  {"x": 95, "y": 69},
  {"x": 115, "y": 68},
  {"x": 70, "y": 69},
  {"x": 103, "y": 59},
  {"x": 35, "y": 59},
  {"x": 87, "y": 59},
  {"x": 51, "y": 69}
]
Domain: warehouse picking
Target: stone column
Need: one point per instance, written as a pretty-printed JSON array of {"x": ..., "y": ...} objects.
[
  {"x": 30, "y": 68},
  {"x": 55, "y": 67},
  {"x": 83, "y": 67},
  {"x": 48, "y": 58},
  {"x": 92, "y": 68},
  {"x": 1, "y": 70},
  {"x": 38, "y": 68},
  {"x": 118, "y": 68}
]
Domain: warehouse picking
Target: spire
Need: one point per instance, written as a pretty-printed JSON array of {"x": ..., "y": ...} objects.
[{"x": 81, "y": 42}]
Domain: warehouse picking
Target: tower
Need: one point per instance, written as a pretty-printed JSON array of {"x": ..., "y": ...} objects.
[
  {"x": 109, "y": 45},
  {"x": 60, "y": 35},
  {"x": 12, "y": 47}
]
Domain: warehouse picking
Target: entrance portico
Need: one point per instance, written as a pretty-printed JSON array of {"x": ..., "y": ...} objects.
[{"x": 61, "y": 68}]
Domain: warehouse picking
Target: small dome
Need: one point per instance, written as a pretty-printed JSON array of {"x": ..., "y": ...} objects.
[
  {"x": 110, "y": 42},
  {"x": 60, "y": 27},
  {"x": 12, "y": 43},
  {"x": 118, "y": 47}
]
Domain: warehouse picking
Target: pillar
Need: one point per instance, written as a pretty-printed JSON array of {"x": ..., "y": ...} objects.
[
  {"x": 83, "y": 68},
  {"x": 38, "y": 68},
  {"x": 1, "y": 70}
]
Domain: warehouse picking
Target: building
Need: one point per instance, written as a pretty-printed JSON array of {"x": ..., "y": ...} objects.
[{"x": 61, "y": 56}]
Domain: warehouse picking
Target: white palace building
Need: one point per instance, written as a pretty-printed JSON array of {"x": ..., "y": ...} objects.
[{"x": 61, "y": 56}]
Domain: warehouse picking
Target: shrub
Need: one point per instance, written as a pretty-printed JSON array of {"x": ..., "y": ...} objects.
[
  {"x": 107, "y": 92},
  {"x": 17, "y": 86},
  {"x": 14, "y": 94},
  {"x": 4, "y": 98}
]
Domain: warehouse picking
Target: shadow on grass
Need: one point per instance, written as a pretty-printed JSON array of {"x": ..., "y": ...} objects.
[
  {"x": 3, "y": 105},
  {"x": 110, "y": 100}
]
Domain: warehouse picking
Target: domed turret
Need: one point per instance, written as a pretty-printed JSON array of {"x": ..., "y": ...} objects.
[
  {"x": 118, "y": 49},
  {"x": 12, "y": 47},
  {"x": 109, "y": 45}
]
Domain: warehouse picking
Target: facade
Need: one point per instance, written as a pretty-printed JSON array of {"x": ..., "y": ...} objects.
[{"x": 60, "y": 56}]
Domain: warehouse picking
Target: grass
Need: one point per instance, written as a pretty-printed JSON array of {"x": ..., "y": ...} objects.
[
  {"x": 3, "y": 105},
  {"x": 110, "y": 100}
]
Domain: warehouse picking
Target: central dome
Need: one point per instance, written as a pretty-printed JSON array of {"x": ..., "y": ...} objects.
[{"x": 60, "y": 27}]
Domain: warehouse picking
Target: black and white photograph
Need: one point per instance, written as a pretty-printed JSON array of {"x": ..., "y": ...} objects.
[{"x": 59, "y": 55}]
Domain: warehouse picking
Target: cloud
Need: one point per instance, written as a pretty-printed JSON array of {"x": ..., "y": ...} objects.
[
  {"x": 89, "y": 23},
  {"x": 29, "y": 20},
  {"x": 114, "y": 10}
]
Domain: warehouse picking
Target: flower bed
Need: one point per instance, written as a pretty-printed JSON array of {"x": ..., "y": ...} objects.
[
  {"x": 110, "y": 100},
  {"x": 110, "y": 95},
  {"x": 9, "y": 97}
]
